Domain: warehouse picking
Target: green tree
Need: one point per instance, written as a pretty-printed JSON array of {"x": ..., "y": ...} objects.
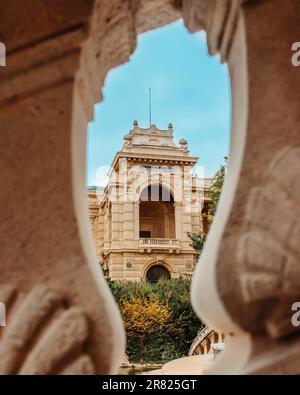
[
  {"x": 198, "y": 239},
  {"x": 215, "y": 190},
  {"x": 159, "y": 320}
]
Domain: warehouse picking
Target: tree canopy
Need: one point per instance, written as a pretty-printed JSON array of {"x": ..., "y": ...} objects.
[{"x": 214, "y": 193}]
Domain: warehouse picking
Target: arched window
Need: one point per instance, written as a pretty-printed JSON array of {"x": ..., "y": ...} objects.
[
  {"x": 156, "y": 213},
  {"x": 156, "y": 272}
]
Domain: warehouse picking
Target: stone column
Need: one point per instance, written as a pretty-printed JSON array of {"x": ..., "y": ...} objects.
[
  {"x": 137, "y": 220},
  {"x": 178, "y": 220},
  {"x": 115, "y": 224},
  {"x": 128, "y": 223},
  {"x": 101, "y": 228},
  {"x": 106, "y": 226}
]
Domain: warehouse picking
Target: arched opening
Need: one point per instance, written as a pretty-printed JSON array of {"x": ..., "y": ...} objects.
[
  {"x": 145, "y": 223},
  {"x": 156, "y": 272},
  {"x": 156, "y": 213}
]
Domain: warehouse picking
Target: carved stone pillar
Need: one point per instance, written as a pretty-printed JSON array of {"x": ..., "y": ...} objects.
[
  {"x": 49, "y": 271},
  {"x": 249, "y": 275}
]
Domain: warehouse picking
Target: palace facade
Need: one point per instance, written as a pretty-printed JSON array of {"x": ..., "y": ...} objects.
[{"x": 152, "y": 201}]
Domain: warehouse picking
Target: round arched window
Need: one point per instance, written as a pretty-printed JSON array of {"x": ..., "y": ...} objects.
[{"x": 156, "y": 272}]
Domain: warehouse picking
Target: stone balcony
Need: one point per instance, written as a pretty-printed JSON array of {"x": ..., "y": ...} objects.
[{"x": 148, "y": 244}]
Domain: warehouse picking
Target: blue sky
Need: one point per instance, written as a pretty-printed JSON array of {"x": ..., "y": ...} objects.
[{"x": 189, "y": 88}]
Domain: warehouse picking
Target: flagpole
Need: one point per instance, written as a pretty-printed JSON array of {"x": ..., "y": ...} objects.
[{"x": 150, "y": 109}]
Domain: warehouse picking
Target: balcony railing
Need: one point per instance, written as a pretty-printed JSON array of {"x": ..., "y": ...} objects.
[{"x": 161, "y": 242}]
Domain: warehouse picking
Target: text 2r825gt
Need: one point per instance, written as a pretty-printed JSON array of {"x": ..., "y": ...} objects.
[{"x": 170, "y": 384}]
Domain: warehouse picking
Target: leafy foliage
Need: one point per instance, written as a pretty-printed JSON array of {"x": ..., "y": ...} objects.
[
  {"x": 215, "y": 190},
  {"x": 158, "y": 318},
  {"x": 214, "y": 193},
  {"x": 145, "y": 316},
  {"x": 198, "y": 240}
]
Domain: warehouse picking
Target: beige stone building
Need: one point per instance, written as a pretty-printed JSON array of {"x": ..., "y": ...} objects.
[{"x": 142, "y": 218}]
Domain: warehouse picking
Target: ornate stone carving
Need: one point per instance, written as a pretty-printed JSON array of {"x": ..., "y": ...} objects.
[
  {"x": 217, "y": 17},
  {"x": 268, "y": 251},
  {"x": 43, "y": 336}
]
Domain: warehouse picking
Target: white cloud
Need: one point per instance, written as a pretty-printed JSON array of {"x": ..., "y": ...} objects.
[{"x": 101, "y": 179}]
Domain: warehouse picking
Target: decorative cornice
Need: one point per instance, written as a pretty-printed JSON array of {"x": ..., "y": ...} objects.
[{"x": 190, "y": 160}]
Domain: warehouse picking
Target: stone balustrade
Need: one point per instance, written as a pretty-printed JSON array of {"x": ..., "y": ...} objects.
[{"x": 159, "y": 242}]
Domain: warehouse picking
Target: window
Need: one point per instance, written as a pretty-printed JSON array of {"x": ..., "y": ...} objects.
[
  {"x": 145, "y": 234},
  {"x": 156, "y": 272}
]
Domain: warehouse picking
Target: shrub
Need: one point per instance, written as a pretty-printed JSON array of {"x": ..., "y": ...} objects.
[
  {"x": 158, "y": 318},
  {"x": 145, "y": 316}
]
